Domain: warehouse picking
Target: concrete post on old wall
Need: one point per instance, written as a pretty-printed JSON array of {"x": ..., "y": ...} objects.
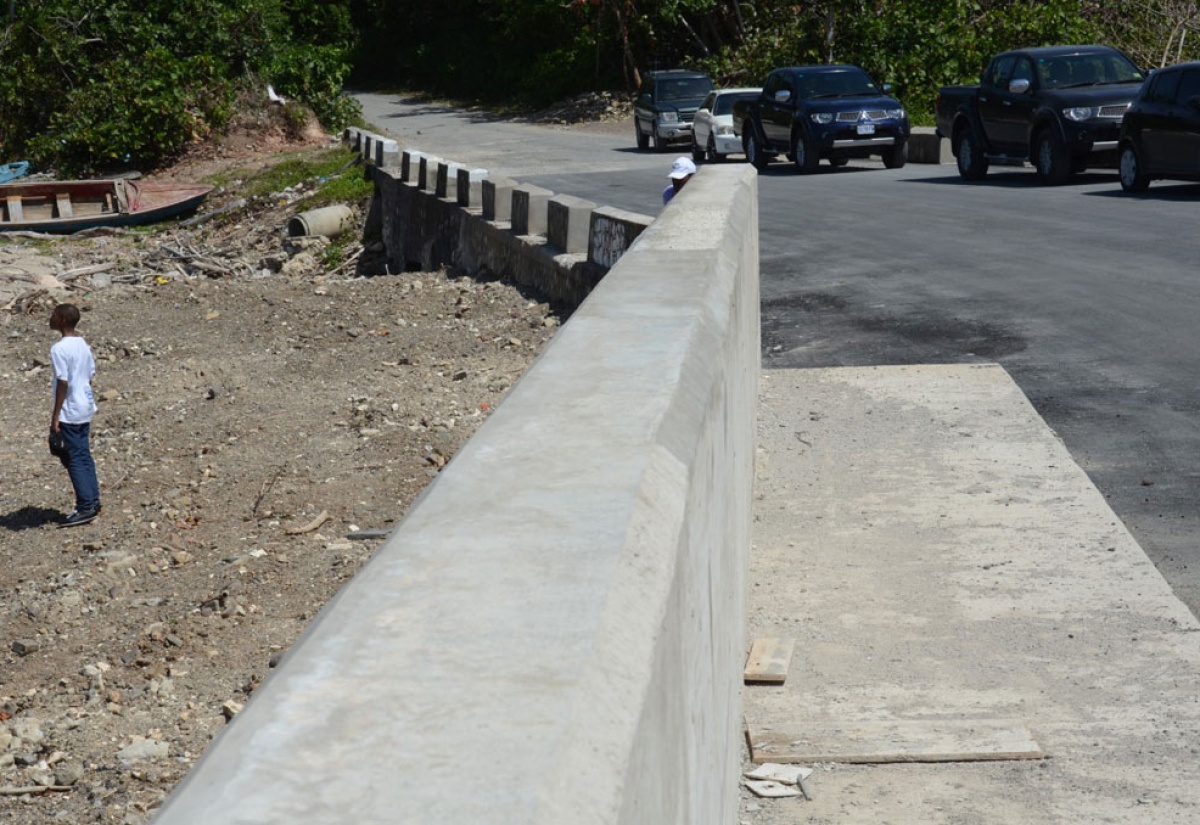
[
  {"x": 568, "y": 223},
  {"x": 387, "y": 154},
  {"x": 410, "y": 165},
  {"x": 447, "y": 180},
  {"x": 497, "y": 199},
  {"x": 529, "y": 209},
  {"x": 427, "y": 173},
  {"x": 574, "y": 649},
  {"x": 470, "y": 187}
]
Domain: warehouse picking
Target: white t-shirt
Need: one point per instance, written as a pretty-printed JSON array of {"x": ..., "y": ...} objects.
[{"x": 73, "y": 363}]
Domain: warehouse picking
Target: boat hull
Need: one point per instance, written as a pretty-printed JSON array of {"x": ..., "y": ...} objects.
[{"x": 71, "y": 206}]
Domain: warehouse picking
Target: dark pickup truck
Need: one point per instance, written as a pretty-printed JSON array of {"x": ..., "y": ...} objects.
[
  {"x": 813, "y": 112},
  {"x": 1058, "y": 107}
]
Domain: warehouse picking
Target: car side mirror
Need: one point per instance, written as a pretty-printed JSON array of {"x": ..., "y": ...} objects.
[
  {"x": 783, "y": 95},
  {"x": 887, "y": 88},
  {"x": 1019, "y": 87},
  {"x": 644, "y": 98}
]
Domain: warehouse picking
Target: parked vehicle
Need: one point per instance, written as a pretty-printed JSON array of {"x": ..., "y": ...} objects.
[
  {"x": 712, "y": 131},
  {"x": 665, "y": 106},
  {"x": 1058, "y": 107},
  {"x": 813, "y": 112},
  {"x": 72, "y": 205},
  {"x": 1160, "y": 136}
]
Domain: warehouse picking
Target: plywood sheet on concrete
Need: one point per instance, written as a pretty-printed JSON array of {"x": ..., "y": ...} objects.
[
  {"x": 894, "y": 741},
  {"x": 769, "y": 661}
]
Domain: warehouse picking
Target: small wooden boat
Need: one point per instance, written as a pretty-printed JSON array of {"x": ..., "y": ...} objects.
[{"x": 72, "y": 205}]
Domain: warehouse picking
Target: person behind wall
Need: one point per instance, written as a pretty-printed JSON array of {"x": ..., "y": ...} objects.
[
  {"x": 74, "y": 407},
  {"x": 681, "y": 172}
]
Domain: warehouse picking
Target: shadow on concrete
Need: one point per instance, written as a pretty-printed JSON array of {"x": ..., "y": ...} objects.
[
  {"x": 1180, "y": 193},
  {"x": 422, "y": 107},
  {"x": 30, "y": 518},
  {"x": 1013, "y": 178},
  {"x": 787, "y": 170}
]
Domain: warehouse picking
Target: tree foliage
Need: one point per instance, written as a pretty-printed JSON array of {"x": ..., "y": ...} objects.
[
  {"x": 94, "y": 86},
  {"x": 540, "y": 50},
  {"x": 91, "y": 85}
]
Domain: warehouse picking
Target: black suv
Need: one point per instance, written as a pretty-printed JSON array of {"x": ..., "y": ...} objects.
[
  {"x": 666, "y": 105},
  {"x": 1160, "y": 135}
]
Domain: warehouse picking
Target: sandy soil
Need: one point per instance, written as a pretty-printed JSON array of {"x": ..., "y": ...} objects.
[{"x": 248, "y": 427}]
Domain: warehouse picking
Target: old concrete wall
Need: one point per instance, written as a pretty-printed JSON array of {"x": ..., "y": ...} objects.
[
  {"x": 554, "y": 632},
  {"x": 433, "y": 212}
]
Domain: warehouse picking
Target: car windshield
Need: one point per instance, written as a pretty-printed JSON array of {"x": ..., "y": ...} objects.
[
  {"x": 1071, "y": 71},
  {"x": 835, "y": 84},
  {"x": 724, "y": 104},
  {"x": 683, "y": 88}
]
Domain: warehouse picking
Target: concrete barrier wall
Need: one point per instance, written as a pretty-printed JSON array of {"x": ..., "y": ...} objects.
[
  {"x": 554, "y": 632},
  {"x": 435, "y": 212}
]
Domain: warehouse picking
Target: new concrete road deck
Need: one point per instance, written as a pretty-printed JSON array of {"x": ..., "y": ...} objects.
[{"x": 937, "y": 555}]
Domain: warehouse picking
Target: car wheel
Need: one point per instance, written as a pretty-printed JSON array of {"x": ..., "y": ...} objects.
[
  {"x": 754, "y": 152},
  {"x": 972, "y": 163},
  {"x": 804, "y": 155},
  {"x": 1050, "y": 158},
  {"x": 643, "y": 139},
  {"x": 1133, "y": 175},
  {"x": 713, "y": 156},
  {"x": 835, "y": 162},
  {"x": 897, "y": 156}
]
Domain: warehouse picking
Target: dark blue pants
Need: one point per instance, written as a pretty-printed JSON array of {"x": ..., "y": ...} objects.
[{"x": 80, "y": 465}]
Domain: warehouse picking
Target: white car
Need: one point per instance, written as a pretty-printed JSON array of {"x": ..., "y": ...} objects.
[{"x": 712, "y": 130}]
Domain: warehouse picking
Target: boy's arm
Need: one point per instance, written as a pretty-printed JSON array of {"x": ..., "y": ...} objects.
[{"x": 60, "y": 396}]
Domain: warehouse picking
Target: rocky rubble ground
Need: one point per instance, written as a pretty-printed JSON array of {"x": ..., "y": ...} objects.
[
  {"x": 264, "y": 419},
  {"x": 589, "y": 107}
]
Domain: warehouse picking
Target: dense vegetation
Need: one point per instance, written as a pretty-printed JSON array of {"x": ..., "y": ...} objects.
[
  {"x": 541, "y": 50},
  {"x": 92, "y": 86}
]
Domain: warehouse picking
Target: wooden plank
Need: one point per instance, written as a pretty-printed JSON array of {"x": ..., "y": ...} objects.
[
  {"x": 932, "y": 740},
  {"x": 64, "y": 205},
  {"x": 769, "y": 661},
  {"x": 15, "y": 213}
]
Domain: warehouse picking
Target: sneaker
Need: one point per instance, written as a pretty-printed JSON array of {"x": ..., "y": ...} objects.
[{"x": 79, "y": 517}]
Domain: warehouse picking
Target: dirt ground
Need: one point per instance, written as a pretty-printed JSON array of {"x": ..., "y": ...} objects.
[{"x": 257, "y": 433}]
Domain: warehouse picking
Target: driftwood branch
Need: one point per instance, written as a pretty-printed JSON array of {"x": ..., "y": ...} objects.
[
  {"x": 32, "y": 789},
  {"x": 85, "y": 270},
  {"x": 312, "y": 525}
]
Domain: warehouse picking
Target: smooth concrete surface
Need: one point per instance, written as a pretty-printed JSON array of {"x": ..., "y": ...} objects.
[
  {"x": 937, "y": 555},
  {"x": 553, "y": 634}
]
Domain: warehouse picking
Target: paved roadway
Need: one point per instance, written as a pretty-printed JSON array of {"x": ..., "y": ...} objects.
[{"x": 1089, "y": 298}]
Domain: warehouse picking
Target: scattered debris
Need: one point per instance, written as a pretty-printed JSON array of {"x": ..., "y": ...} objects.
[
  {"x": 771, "y": 790},
  {"x": 785, "y": 774}
]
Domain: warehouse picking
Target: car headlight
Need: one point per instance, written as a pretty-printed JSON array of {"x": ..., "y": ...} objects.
[
  {"x": 1079, "y": 113},
  {"x": 669, "y": 117},
  {"x": 895, "y": 114},
  {"x": 724, "y": 130},
  {"x": 822, "y": 117}
]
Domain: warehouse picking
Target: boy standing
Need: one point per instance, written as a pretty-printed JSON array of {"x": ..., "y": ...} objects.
[{"x": 73, "y": 411}]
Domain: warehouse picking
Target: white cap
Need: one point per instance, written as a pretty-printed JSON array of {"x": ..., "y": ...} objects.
[{"x": 681, "y": 168}]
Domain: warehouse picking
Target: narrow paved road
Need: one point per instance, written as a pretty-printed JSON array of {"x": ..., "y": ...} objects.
[{"x": 1088, "y": 297}]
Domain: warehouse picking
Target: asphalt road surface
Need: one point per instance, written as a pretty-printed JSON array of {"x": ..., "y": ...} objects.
[{"x": 1088, "y": 297}]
